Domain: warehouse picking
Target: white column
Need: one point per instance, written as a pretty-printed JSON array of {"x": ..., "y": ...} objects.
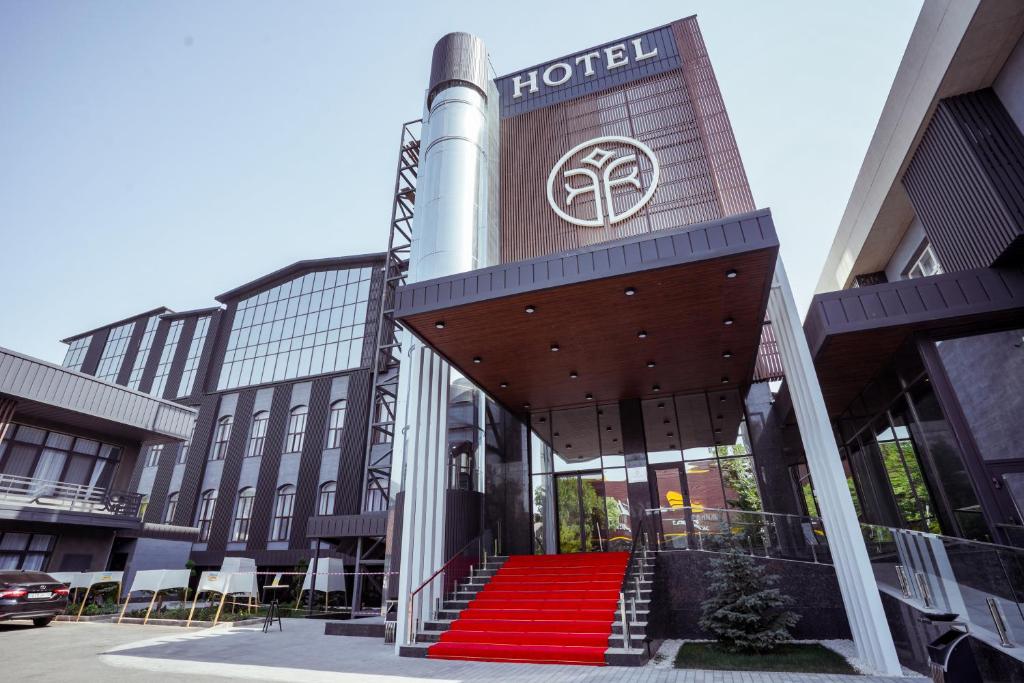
[{"x": 863, "y": 604}]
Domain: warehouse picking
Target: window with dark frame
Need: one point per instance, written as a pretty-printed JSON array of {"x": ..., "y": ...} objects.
[
  {"x": 207, "y": 503},
  {"x": 296, "y": 429},
  {"x": 27, "y": 551},
  {"x": 284, "y": 505},
  {"x": 153, "y": 454},
  {"x": 243, "y": 514},
  {"x": 221, "y": 438},
  {"x": 114, "y": 351},
  {"x": 258, "y": 434},
  {"x": 336, "y": 424},
  {"x": 172, "y": 507},
  {"x": 35, "y": 453},
  {"x": 76, "y": 353},
  {"x": 183, "y": 453},
  {"x": 325, "y": 502}
]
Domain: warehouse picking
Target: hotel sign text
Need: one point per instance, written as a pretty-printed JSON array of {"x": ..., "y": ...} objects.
[{"x": 589, "y": 71}]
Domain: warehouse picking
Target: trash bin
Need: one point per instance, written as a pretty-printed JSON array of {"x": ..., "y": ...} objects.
[{"x": 952, "y": 660}]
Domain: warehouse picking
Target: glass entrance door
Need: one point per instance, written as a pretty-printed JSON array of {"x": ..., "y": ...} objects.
[
  {"x": 675, "y": 518},
  {"x": 582, "y": 518}
]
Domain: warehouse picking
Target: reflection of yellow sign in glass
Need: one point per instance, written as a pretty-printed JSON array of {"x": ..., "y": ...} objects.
[{"x": 675, "y": 499}]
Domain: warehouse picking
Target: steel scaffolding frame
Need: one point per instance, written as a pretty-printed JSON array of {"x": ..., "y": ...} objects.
[{"x": 384, "y": 383}]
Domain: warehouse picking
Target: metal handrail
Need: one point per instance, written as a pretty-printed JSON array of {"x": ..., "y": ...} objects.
[
  {"x": 412, "y": 595},
  {"x": 70, "y": 495},
  {"x": 640, "y": 541}
]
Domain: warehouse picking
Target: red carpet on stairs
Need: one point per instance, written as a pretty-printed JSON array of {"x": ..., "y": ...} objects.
[{"x": 544, "y": 609}]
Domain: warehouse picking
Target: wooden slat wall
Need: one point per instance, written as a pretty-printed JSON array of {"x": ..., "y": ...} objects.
[
  {"x": 679, "y": 114},
  {"x": 966, "y": 181},
  {"x": 266, "y": 485},
  {"x": 227, "y": 487}
]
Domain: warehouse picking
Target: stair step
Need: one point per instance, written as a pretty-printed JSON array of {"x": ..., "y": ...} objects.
[{"x": 540, "y": 654}]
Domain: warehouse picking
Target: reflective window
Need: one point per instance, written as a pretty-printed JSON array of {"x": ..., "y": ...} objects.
[
  {"x": 195, "y": 350},
  {"x": 306, "y": 326},
  {"x": 30, "y": 552},
  {"x": 207, "y": 503},
  {"x": 54, "y": 456},
  {"x": 243, "y": 513},
  {"x": 172, "y": 507},
  {"x": 336, "y": 424},
  {"x": 153, "y": 455},
  {"x": 221, "y": 438},
  {"x": 283, "y": 508},
  {"x": 296, "y": 429},
  {"x": 76, "y": 353},
  {"x": 142, "y": 357},
  {"x": 258, "y": 435},
  {"x": 183, "y": 453},
  {"x": 925, "y": 264},
  {"x": 166, "y": 358},
  {"x": 325, "y": 503},
  {"x": 114, "y": 351}
]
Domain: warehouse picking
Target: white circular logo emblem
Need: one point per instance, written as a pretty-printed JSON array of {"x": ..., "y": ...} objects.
[{"x": 609, "y": 170}]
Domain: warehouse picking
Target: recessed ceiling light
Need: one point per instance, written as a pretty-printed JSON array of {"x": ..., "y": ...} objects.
[
  {"x": 669, "y": 434},
  {"x": 530, "y": 309},
  {"x": 718, "y": 417},
  {"x": 718, "y": 430},
  {"x": 630, "y": 291},
  {"x": 568, "y": 445},
  {"x": 526, "y": 406},
  {"x": 503, "y": 385},
  {"x": 608, "y": 428},
  {"x": 439, "y": 324},
  {"x": 478, "y": 360},
  {"x": 726, "y": 354},
  {"x": 661, "y": 405},
  {"x": 555, "y": 347},
  {"x": 672, "y": 446},
  {"x": 721, "y": 399},
  {"x": 600, "y": 412},
  {"x": 542, "y": 419},
  {"x": 655, "y": 388},
  {"x": 725, "y": 380},
  {"x": 555, "y": 434},
  {"x": 642, "y": 334},
  {"x": 732, "y": 273},
  {"x": 666, "y": 421},
  {"x": 614, "y": 439},
  {"x": 589, "y": 397},
  {"x": 651, "y": 363},
  {"x": 727, "y": 321},
  {"x": 573, "y": 374}
]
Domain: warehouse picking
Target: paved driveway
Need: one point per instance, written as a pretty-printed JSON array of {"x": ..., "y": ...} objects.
[{"x": 65, "y": 651}]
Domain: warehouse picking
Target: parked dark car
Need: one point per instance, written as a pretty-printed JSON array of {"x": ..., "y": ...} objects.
[{"x": 31, "y": 595}]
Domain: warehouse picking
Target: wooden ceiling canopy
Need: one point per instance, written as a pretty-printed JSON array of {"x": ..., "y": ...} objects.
[{"x": 672, "y": 311}]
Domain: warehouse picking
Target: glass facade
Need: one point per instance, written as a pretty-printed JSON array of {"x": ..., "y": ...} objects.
[
  {"x": 75, "y": 356},
  {"x": 141, "y": 358},
  {"x": 153, "y": 455},
  {"x": 114, "y": 351},
  {"x": 284, "y": 506},
  {"x": 54, "y": 456},
  {"x": 30, "y": 552},
  {"x": 221, "y": 437},
  {"x": 296, "y": 435},
  {"x": 163, "y": 369},
  {"x": 207, "y": 503},
  {"x": 243, "y": 514},
  {"x": 195, "y": 351},
  {"x": 336, "y": 424},
  {"x": 306, "y": 326},
  {"x": 258, "y": 434}
]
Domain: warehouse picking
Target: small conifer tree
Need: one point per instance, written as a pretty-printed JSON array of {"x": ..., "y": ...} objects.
[{"x": 745, "y": 612}]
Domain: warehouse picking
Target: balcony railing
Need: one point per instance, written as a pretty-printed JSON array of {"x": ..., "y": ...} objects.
[
  {"x": 980, "y": 585},
  {"x": 29, "y": 492}
]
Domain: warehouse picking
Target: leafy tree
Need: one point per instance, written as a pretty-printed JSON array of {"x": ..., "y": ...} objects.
[
  {"x": 738, "y": 476},
  {"x": 745, "y": 612}
]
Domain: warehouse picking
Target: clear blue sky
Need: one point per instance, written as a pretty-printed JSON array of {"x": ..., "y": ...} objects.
[{"x": 159, "y": 153}]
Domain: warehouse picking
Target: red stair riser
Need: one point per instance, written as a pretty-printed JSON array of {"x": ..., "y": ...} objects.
[{"x": 545, "y": 609}]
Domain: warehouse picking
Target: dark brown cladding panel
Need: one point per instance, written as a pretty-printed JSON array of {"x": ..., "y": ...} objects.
[
  {"x": 459, "y": 58},
  {"x": 308, "y": 478},
  {"x": 693, "y": 243},
  {"x": 352, "y": 463},
  {"x": 195, "y": 461},
  {"x": 966, "y": 181},
  {"x": 679, "y": 114},
  {"x": 270, "y": 462},
  {"x": 227, "y": 486}
]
